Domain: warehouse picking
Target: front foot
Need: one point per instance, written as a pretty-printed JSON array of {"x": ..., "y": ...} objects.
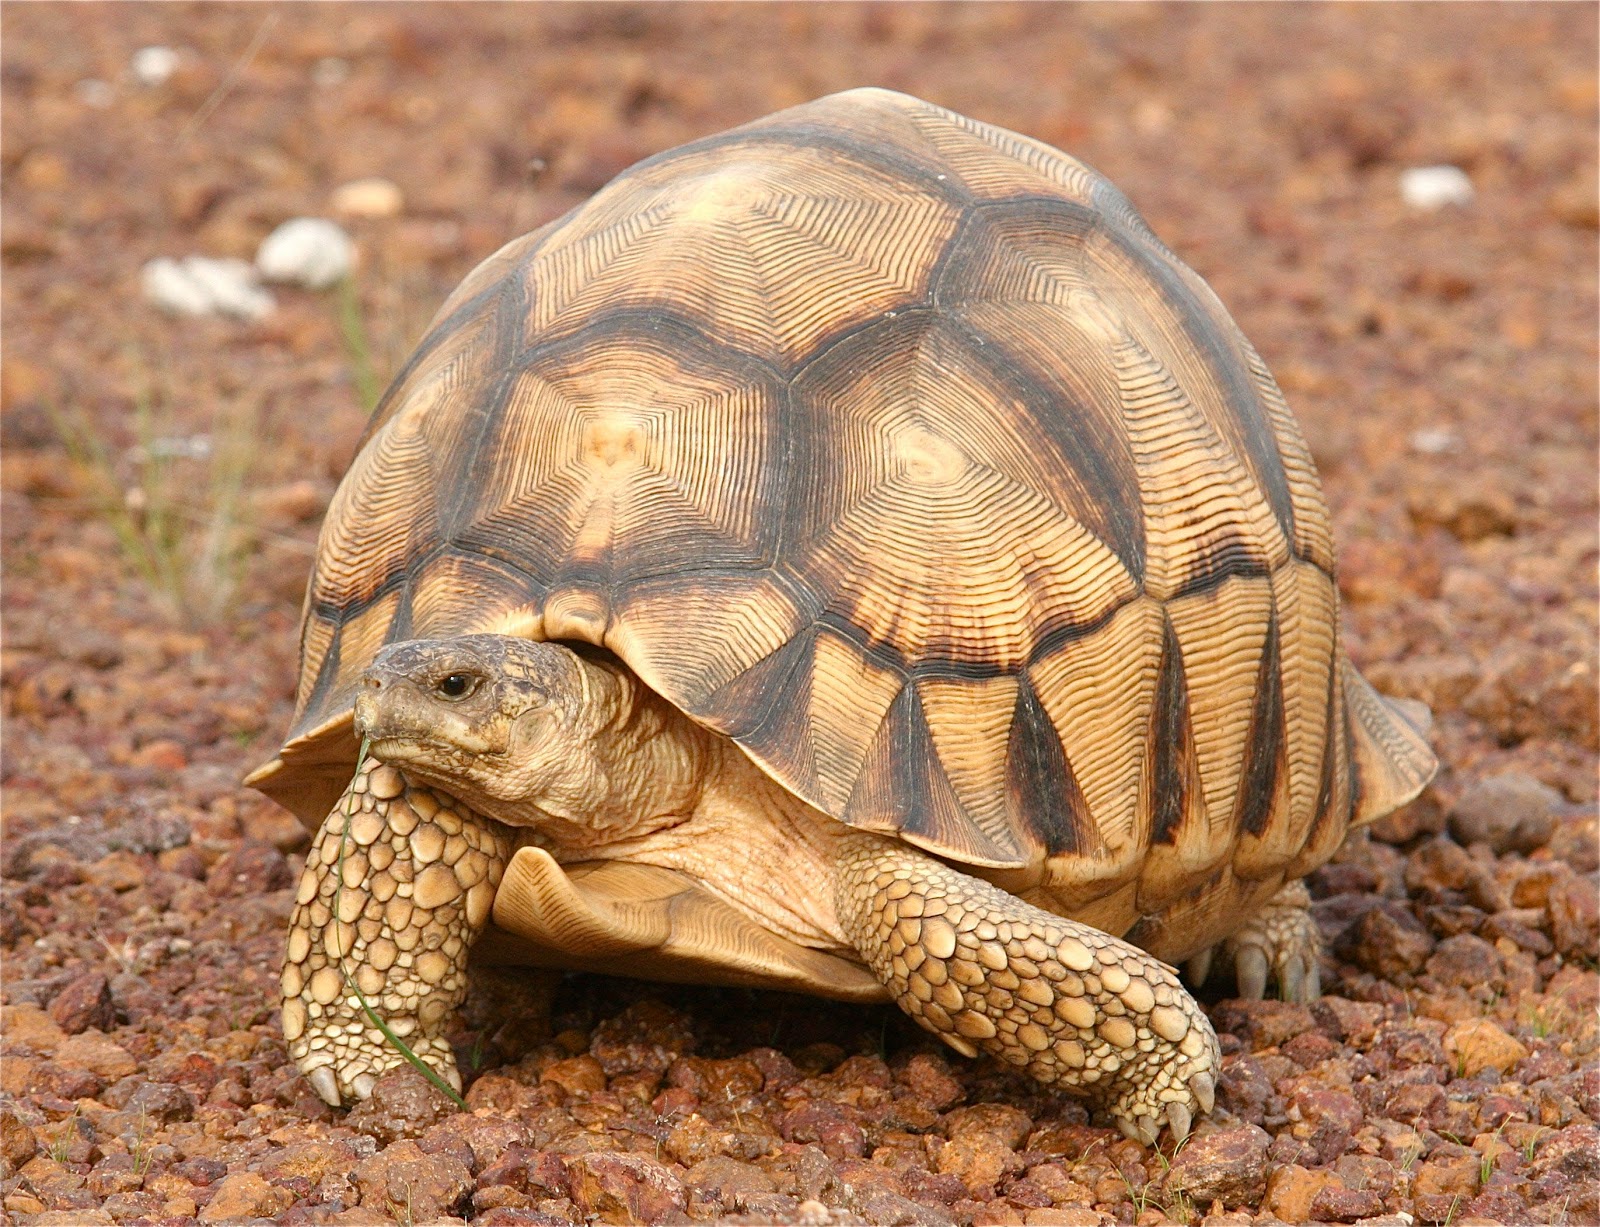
[
  {"x": 398, "y": 884},
  {"x": 349, "y": 1066},
  {"x": 1073, "y": 1006}
]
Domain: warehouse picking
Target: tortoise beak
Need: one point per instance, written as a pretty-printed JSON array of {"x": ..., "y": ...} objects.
[
  {"x": 383, "y": 712},
  {"x": 405, "y": 722}
]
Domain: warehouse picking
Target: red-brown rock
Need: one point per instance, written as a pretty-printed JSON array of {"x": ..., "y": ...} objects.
[
  {"x": 624, "y": 1188},
  {"x": 253, "y": 868},
  {"x": 245, "y": 1195},
  {"x": 1227, "y": 1164},
  {"x": 1511, "y": 812},
  {"x": 403, "y": 1180},
  {"x": 85, "y": 1002},
  {"x": 403, "y": 1104}
]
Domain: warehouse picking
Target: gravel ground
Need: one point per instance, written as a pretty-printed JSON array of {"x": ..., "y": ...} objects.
[{"x": 163, "y": 478}]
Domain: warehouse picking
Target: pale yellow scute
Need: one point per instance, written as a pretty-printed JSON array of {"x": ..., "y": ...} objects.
[
  {"x": 1198, "y": 498},
  {"x": 934, "y": 517},
  {"x": 1166, "y": 308},
  {"x": 1332, "y": 821},
  {"x": 1313, "y": 529},
  {"x": 1028, "y": 264},
  {"x": 1222, "y": 633},
  {"x": 1186, "y": 845},
  {"x": 972, "y": 570},
  {"x": 602, "y": 459},
  {"x": 769, "y": 251},
  {"x": 360, "y": 636},
  {"x": 1393, "y": 760},
  {"x": 849, "y": 697},
  {"x": 452, "y": 594},
  {"x": 970, "y": 722},
  {"x": 1307, "y": 624},
  {"x": 736, "y": 621},
  {"x": 1097, "y": 689},
  {"x": 389, "y": 487},
  {"x": 1026, "y": 166}
]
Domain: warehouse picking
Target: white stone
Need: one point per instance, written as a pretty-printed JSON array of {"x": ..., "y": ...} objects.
[
  {"x": 1434, "y": 187},
  {"x": 152, "y": 66},
  {"x": 1434, "y": 440},
  {"x": 198, "y": 285},
  {"x": 308, "y": 251},
  {"x": 367, "y": 198}
]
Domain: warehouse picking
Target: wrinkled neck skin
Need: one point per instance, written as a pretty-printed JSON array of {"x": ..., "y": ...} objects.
[
  {"x": 583, "y": 760},
  {"x": 629, "y": 766}
]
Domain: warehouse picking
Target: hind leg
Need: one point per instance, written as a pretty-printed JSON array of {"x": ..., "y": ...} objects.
[
  {"x": 1075, "y": 1007},
  {"x": 1280, "y": 942}
]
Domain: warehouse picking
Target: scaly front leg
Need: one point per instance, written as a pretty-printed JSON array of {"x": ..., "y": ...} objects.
[
  {"x": 398, "y": 884},
  {"x": 1075, "y": 1007}
]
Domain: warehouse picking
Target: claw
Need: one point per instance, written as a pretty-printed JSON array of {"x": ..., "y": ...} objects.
[
  {"x": 1293, "y": 979},
  {"x": 1199, "y": 967},
  {"x": 1204, "y": 1089},
  {"x": 362, "y": 1085},
  {"x": 1250, "y": 967},
  {"x": 325, "y": 1085},
  {"x": 1179, "y": 1120},
  {"x": 1141, "y": 1129},
  {"x": 964, "y": 1046}
]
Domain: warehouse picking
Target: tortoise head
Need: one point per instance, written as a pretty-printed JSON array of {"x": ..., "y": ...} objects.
[{"x": 492, "y": 719}]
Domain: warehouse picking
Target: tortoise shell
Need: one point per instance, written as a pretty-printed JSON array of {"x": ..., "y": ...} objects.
[{"x": 896, "y": 448}]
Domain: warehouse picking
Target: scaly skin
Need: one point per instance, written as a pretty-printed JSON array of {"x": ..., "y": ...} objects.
[
  {"x": 1281, "y": 940},
  {"x": 396, "y": 918},
  {"x": 1073, "y": 1006},
  {"x": 567, "y": 750}
]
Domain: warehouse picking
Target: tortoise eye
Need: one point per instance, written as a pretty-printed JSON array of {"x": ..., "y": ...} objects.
[{"x": 457, "y": 685}]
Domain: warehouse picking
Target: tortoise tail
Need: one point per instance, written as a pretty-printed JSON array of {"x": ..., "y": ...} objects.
[{"x": 1393, "y": 761}]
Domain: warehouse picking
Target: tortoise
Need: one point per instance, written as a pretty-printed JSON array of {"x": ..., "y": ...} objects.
[{"x": 848, "y": 554}]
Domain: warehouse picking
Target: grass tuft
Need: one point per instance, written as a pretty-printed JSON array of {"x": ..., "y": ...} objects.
[
  {"x": 358, "y": 346},
  {"x": 174, "y": 502}
]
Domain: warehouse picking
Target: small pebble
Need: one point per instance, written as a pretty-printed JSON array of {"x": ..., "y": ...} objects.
[
  {"x": 308, "y": 251},
  {"x": 199, "y": 285},
  {"x": 367, "y": 198},
  {"x": 95, "y": 93},
  {"x": 152, "y": 66},
  {"x": 1435, "y": 441},
  {"x": 329, "y": 71},
  {"x": 1433, "y": 187}
]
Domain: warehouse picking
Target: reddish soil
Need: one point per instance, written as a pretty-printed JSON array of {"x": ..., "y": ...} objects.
[{"x": 163, "y": 481}]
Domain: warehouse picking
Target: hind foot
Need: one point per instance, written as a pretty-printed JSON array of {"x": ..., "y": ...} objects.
[{"x": 1279, "y": 943}]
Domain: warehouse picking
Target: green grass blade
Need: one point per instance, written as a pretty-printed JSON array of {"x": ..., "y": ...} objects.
[{"x": 357, "y": 347}]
